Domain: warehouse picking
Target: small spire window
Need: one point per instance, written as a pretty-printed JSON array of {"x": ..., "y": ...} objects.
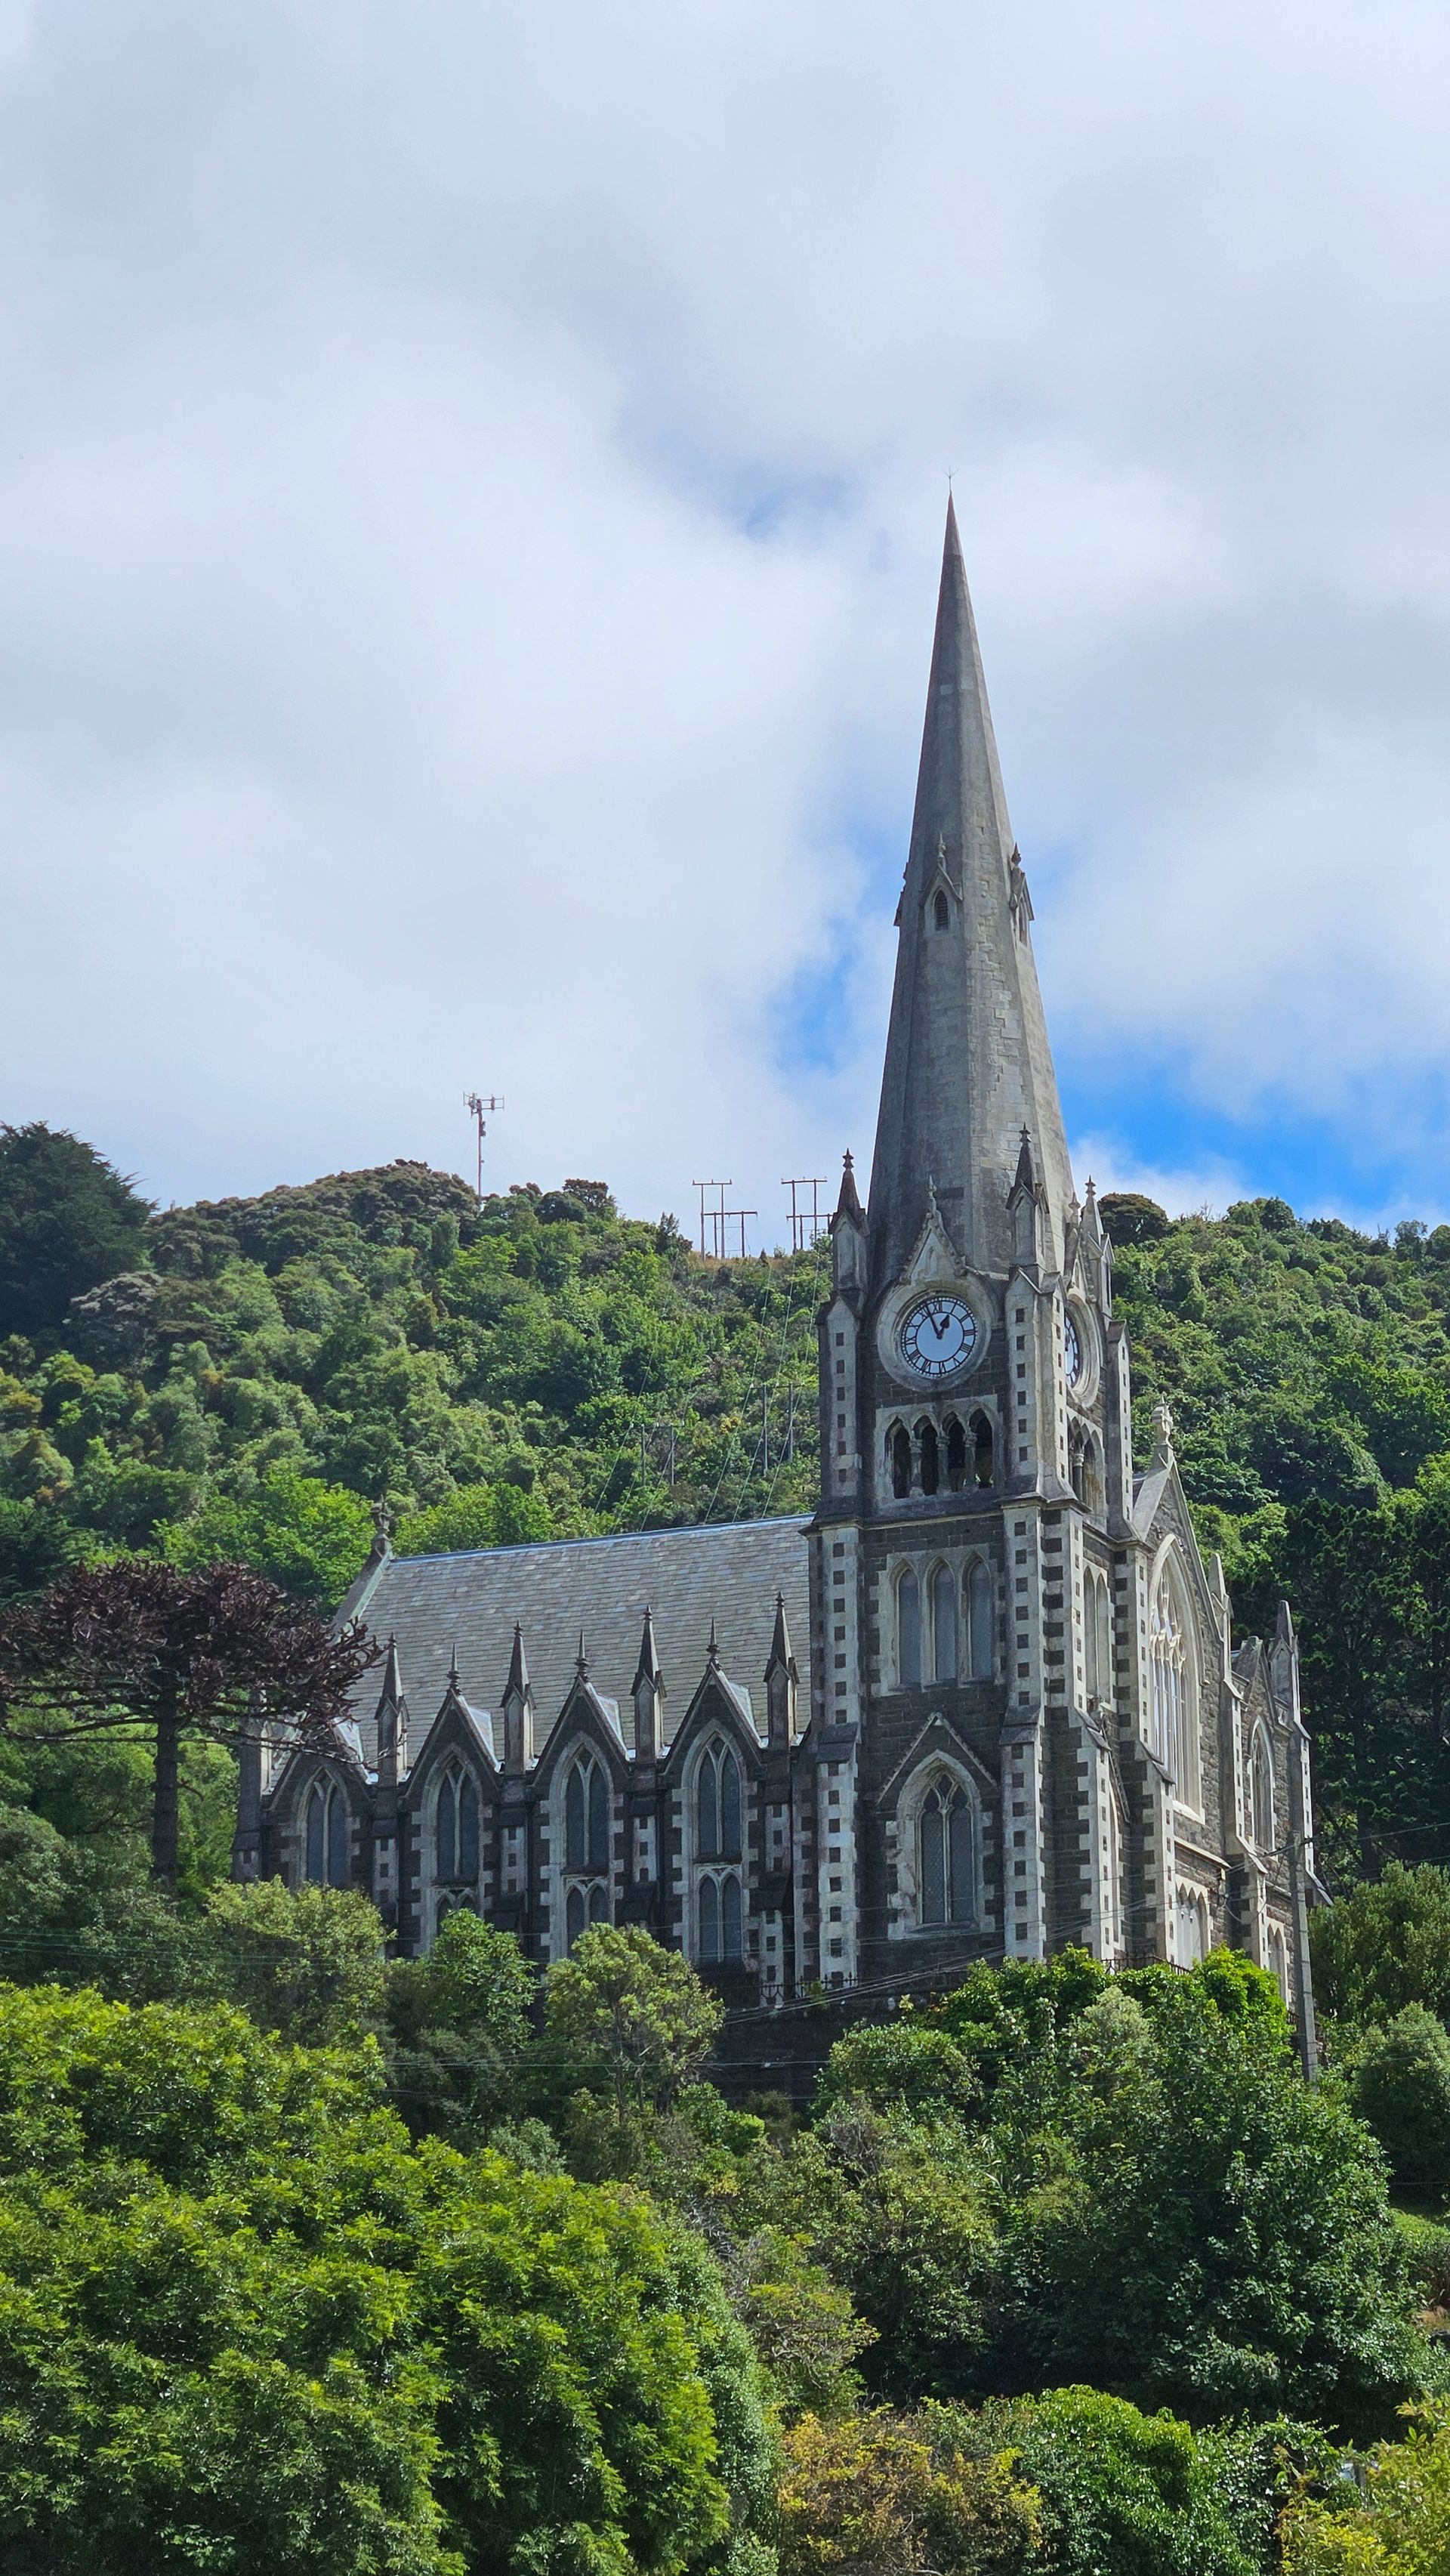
[{"x": 941, "y": 911}]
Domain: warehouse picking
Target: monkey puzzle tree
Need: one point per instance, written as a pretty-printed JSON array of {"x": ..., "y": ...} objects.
[{"x": 144, "y": 1647}]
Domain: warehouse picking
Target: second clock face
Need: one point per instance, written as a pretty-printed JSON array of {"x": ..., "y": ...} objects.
[
  {"x": 1072, "y": 1351},
  {"x": 938, "y": 1335}
]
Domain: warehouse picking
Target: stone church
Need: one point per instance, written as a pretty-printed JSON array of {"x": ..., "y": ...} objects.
[{"x": 985, "y": 1703}]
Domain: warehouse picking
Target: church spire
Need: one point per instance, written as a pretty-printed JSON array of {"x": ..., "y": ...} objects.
[{"x": 968, "y": 1065}]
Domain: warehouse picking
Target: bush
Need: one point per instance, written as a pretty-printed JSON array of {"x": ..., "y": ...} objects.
[{"x": 1402, "y": 2092}]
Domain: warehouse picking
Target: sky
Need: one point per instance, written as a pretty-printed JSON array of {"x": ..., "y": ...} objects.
[{"x": 471, "y": 493}]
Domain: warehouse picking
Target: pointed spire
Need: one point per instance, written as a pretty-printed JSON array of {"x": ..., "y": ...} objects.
[
  {"x": 453, "y": 1666},
  {"x": 967, "y": 1059},
  {"x": 648, "y": 1667},
  {"x": 712, "y": 1652},
  {"x": 518, "y": 1709},
  {"x": 518, "y": 1676},
  {"x": 581, "y": 1663},
  {"x": 391, "y": 1720},
  {"x": 849, "y": 1202},
  {"x": 781, "y": 1658}
]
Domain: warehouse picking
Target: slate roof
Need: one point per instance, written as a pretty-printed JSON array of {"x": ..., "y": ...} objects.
[{"x": 729, "y": 1572}]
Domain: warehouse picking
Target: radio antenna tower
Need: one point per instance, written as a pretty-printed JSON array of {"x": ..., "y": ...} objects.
[{"x": 477, "y": 1109}]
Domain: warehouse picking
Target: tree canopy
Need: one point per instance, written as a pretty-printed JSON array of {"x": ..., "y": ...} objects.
[{"x": 67, "y": 1221}]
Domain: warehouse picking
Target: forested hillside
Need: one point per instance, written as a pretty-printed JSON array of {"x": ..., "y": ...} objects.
[{"x": 253, "y": 1378}]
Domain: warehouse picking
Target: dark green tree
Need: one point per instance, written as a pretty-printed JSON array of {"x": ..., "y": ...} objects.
[
  {"x": 67, "y": 1221},
  {"x": 1384, "y": 1945},
  {"x": 1402, "y": 2093}
]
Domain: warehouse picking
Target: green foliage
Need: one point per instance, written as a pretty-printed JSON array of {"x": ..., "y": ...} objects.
[
  {"x": 1398, "y": 2526},
  {"x": 243, "y": 2325},
  {"x": 1137, "y": 2494},
  {"x": 312, "y": 1538},
  {"x": 306, "y": 1963},
  {"x": 640, "y": 2006},
  {"x": 1402, "y": 2092},
  {"x": 1383, "y": 1946},
  {"x": 67, "y": 1221},
  {"x": 896, "y": 2494},
  {"x": 458, "y": 2029}
]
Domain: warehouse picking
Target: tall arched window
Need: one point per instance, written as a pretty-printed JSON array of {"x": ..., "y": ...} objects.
[
  {"x": 455, "y": 1832},
  {"x": 1091, "y": 1480},
  {"x": 721, "y": 1921},
  {"x": 908, "y": 1630},
  {"x": 898, "y": 1451},
  {"x": 586, "y": 1817},
  {"x": 1112, "y": 1885},
  {"x": 944, "y": 1623},
  {"x": 946, "y": 1876},
  {"x": 979, "y": 1622},
  {"x": 717, "y": 1805},
  {"x": 1279, "y": 1962},
  {"x": 1174, "y": 1682},
  {"x": 326, "y": 1834},
  {"x": 1261, "y": 1793},
  {"x": 1098, "y": 1638},
  {"x": 981, "y": 1449},
  {"x": 941, "y": 911},
  {"x": 929, "y": 1453},
  {"x": 956, "y": 1456},
  {"x": 1191, "y": 1929}
]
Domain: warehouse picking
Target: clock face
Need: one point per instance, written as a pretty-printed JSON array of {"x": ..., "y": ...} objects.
[
  {"x": 1072, "y": 1351},
  {"x": 938, "y": 1335}
]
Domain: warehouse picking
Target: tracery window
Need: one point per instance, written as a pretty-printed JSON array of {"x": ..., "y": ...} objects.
[
  {"x": 455, "y": 1829},
  {"x": 1174, "y": 1686},
  {"x": 326, "y": 1834},
  {"x": 586, "y": 1817},
  {"x": 946, "y": 1854},
  {"x": 944, "y": 1624},
  {"x": 978, "y": 1592},
  {"x": 908, "y": 1630},
  {"x": 717, "y": 1805}
]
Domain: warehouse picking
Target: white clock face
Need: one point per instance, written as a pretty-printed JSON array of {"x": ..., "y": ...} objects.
[
  {"x": 938, "y": 1335},
  {"x": 1072, "y": 1351}
]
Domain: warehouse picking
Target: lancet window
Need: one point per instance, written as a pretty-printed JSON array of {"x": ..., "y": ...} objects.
[
  {"x": 946, "y": 1853},
  {"x": 908, "y": 1629},
  {"x": 326, "y": 1834},
  {"x": 582, "y": 1907},
  {"x": 898, "y": 1451},
  {"x": 956, "y": 1456},
  {"x": 586, "y": 1817},
  {"x": 977, "y": 1594},
  {"x": 944, "y": 1624},
  {"x": 928, "y": 1450},
  {"x": 1174, "y": 1685},
  {"x": 1098, "y": 1637},
  {"x": 982, "y": 1459},
  {"x": 717, "y": 1805},
  {"x": 720, "y": 1913},
  {"x": 1261, "y": 1793},
  {"x": 455, "y": 1827}
]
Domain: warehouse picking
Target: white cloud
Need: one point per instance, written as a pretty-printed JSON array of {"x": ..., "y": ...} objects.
[{"x": 468, "y": 512}]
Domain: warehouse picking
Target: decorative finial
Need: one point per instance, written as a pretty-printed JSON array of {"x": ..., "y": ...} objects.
[
  {"x": 582, "y": 1664},
  {"x": 713, "y": 1654},
  {"x": 1163, "y": 1425},
  {"x": 453, "y": 1667}
]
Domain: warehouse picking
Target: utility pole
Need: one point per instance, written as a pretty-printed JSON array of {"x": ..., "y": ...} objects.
[
  {"x": 717, "y": 1215},
  {"x": 805, "y": 1223},
  {"x": 729, "y": 1216},
  {"x": 477, "y": 1107}
]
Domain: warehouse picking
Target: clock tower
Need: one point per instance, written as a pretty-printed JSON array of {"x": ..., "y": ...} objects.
[{"x": 970, "y": 1553}]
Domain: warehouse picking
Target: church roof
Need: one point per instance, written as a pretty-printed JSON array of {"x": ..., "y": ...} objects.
[
  {"x": 968, "y": 1065},
  {"x": 723, "y": 1573}
]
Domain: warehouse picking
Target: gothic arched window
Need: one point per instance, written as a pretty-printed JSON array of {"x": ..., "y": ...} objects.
[
  {"x": 717, "y": 1805},
  {"x": 1098, "y": 1638},
  {"x": 946, "y": 1877},
  {"x": 1174, "y": 1685},
  {"x": 930, "y": 1456},
  {"x": 586, "y": 1817},
  {"x": 978, "y": 1593},
  {"x": 942, "y": 912},
  {"x": 326, "y": 1834},
  {"x": 956, "y": 1456},
  {"x": 455, "y": 1832},
  {"x": 898, "y": 1450},
  {"x": 944, "y": 1623},
  {"x": 721, "y": 1918},
  {"x": 982, "y": 1466},
  {"x": 1261, "y": 1794},
  {"x": 908, "y": 1630}
]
